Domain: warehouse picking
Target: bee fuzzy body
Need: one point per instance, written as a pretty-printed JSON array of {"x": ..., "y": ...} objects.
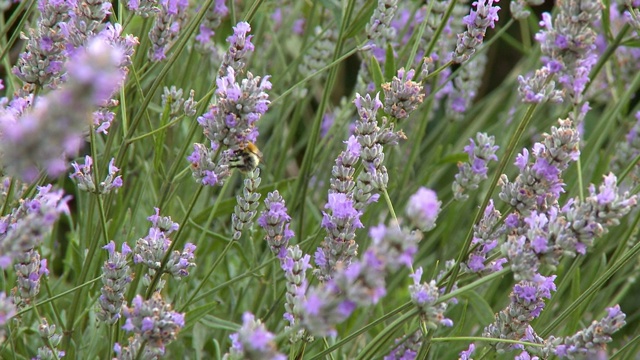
[{"x": 246, "y": 159}]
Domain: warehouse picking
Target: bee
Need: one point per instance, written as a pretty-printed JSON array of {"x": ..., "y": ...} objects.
[{"x": 246, "y": 158}]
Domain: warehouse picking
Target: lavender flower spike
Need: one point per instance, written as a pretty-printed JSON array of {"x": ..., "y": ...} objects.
[
  {"x": 425, "y": 297},
  {"x": 339, "y": 246},
  {"x": 24, "y": 228},
  {"x": 527, "y": 302},
  {"x": 29, "y": 269},
  {"x": 402, "y": 95},
  {"x": 295, "y": 265},
  {"x": 240, "y": 46},
  {"x": 166, "y": 27},
  {"x": 342, "y": 172},
  {"x": 423, "y": 209},
  {"x": 144, "y": 8},
  {"x": 252, "y": 342},
  {"x": 473, "y": 172},
  {"x": 63, "y": 115},
  {"x": 151, "y": 249},
  {"x": 84, "y": 176},
  {"x": 51, "y": 339},
  {"x": 360, "y": 283},
  {"x": 275, "y": 221},
  {"x": 477, "y": 22},
  {"x": 153, "y": 321},
  {"x": 217, "y": 12},
  {"x": 116, "y": 278},
  {"x": 7, "y": 311},
  {"x": 379, "y": 24},
  {"x": 230, "y": 123},
  {"x": 372, "y": 136},
  {"x": 407, "y": 347},
  {"x": 589, "y": 341},
  {"x": 42, "y": 62},
  {"x": 247, "y": 204}
]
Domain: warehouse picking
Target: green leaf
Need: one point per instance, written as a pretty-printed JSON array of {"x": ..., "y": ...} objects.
[
  {"x": 481, "y": 307},
  {"x": 200, "y": 313},
  {"x": 389, "y": 63},
  {"x": 361, "y": 19},
  {"x": 631, "y": 43},
  {"x": 213, "y": 322},
  {"x": 453, "y": 159},
  {"x": 376, "y": 72}
]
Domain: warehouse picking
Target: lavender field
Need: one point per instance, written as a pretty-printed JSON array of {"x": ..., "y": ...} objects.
[{"x": 355, "y": 179}]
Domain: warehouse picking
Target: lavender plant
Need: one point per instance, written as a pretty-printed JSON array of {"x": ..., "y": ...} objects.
[{"x": 348, "y": 179}]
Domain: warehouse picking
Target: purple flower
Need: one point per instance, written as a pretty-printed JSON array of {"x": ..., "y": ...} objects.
[
  {"x": 295, "y": 265},
  {"x": 527, "y": 302},
  {"x": 425, "y": 297},
  {"x": 166, "y": 27},
  {"x": 204, "y": 170},
  {"x": 275, "y": 221},
  {"x": 402, "y": 96},
  {"x": 153, "y": 321},
  {"x": 466, "y": 354},
  {"x": 26, "y": 225},
  {"x": 342, "y": 208},
  {"x": 151, "y": 250},
  {"x": 484, "y": 16},
  {"x": 568, "y": 46},
  {"x": 239, "y": 47},
  {"x": 339, "y": 246},
  {"x": 63, "y": 115},
  {"x": 423, "y": 209},
  {"x": 253, "y": 341},
  {"x": 42, "y": 62},
  {"x": 372, "y": 135},
  {"x": 589, "y": 342},
  {"x": 231, "y": 121},
  {"x": 472, "y": 173},
  {"x": 84, "y": 177}
]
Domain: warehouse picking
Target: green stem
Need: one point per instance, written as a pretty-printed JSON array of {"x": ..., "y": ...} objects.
[{"x": 390, "y": 206}]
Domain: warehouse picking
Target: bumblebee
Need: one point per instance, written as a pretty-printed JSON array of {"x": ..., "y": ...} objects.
[{"x": 246, "y": 158}]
